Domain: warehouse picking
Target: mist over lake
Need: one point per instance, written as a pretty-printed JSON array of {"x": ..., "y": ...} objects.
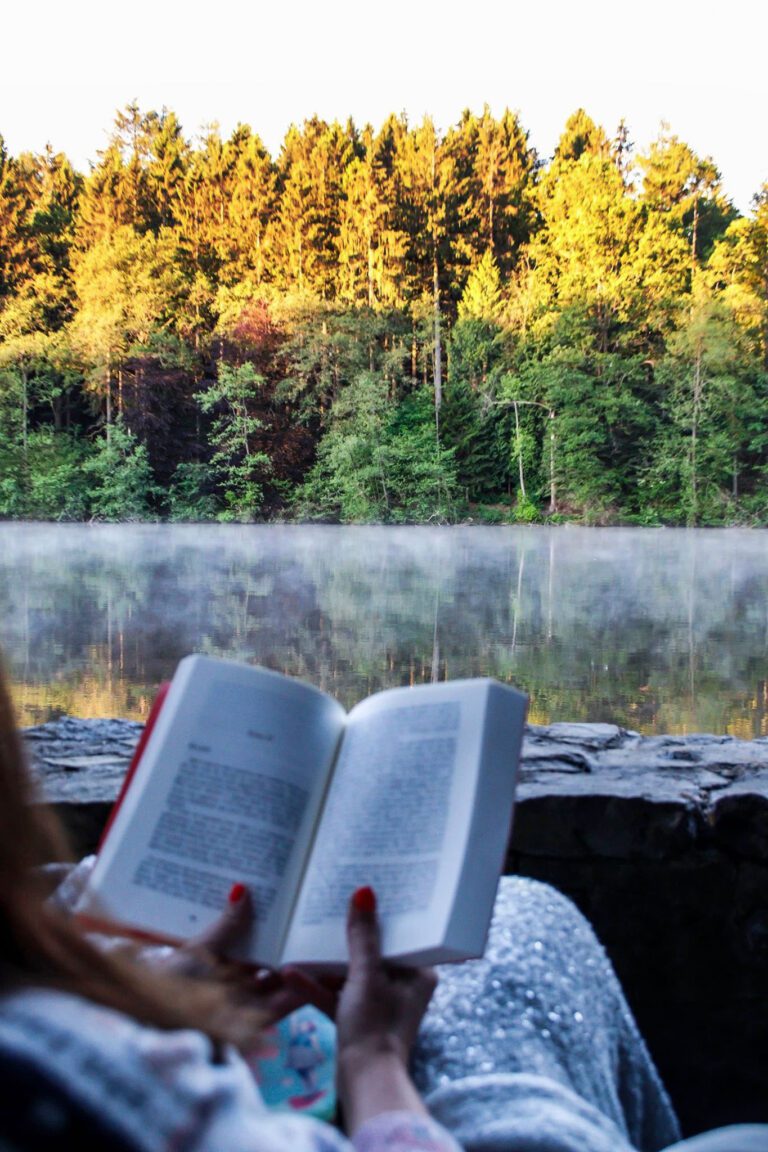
[{"x": 659, "y": 630}]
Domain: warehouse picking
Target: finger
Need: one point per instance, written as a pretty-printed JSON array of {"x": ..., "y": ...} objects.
[
  {"x": 306, "y": 990},
  {"x": 279, "y": 993},
  {"x": 230, "y": 925},
  {"x": 363, "y": 932}
]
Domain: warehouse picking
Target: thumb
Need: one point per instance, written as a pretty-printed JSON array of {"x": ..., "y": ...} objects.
[
  {"x": 363, "y": 937},
  {"x": 231, "y": 924}
]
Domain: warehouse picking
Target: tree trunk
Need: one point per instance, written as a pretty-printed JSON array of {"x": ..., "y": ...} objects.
[
  {"x": 109, "y": 405},
  {"x": 697, "y": 390},
  {"x": 24, "y": 413},
  {"x": 371, "y": 292},
  {"x": 552, "y": 492},
  {"x": 518, "y": 442},
  {"x": 438, "y": 367}
]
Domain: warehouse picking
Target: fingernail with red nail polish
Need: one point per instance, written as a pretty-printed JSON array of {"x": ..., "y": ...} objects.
[
  {"x": 236, "y": 893},
  {"x": 364, "y": 900}
]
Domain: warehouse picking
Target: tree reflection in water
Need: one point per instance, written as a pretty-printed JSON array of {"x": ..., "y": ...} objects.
[{"x": 660, "y": 630}]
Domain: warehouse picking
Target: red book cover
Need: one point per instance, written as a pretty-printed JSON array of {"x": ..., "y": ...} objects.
[{"x": 136, "y": 758}]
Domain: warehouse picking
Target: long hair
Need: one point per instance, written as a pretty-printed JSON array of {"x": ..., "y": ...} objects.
[{"x": 42, "y": 946}]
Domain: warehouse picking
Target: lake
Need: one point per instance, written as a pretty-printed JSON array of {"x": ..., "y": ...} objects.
[{"x": 660, "y": 630}]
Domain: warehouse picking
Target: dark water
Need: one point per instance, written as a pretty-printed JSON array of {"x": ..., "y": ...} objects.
[{"x": 657, "y": 630}]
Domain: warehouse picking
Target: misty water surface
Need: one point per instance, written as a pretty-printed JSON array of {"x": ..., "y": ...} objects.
[{"x": 655, "y": 629}]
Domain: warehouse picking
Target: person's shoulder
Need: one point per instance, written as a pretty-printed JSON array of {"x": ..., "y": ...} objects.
[
  {"x": 49, "y": 1071},
  {"x": 36, "y": 1016},
  {"x": 135, "y": 1078},
  {"x": 148, "y": 1085},
  {"x": 50, "y": 1019}
]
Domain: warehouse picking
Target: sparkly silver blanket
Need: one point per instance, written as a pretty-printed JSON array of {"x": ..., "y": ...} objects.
[{"x": 534, "y": 1048}]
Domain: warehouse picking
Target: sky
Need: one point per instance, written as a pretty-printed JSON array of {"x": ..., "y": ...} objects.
[{"x": 65, "y": 68}]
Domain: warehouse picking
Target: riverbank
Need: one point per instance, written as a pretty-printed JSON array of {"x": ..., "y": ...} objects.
[{"x": 663, "y": 843}]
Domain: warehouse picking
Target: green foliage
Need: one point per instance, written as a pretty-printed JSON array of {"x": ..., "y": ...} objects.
[
  {"x": 12, "y": 496},
  {"x": 383, "y": 325},
  {"x": 686, "y": 188},
  {"x": 55, "y": 481},
  {"x": 422, "y": 472},
  {"x": 188, "y": 496},
  {"x": 527, "y": 511},
  {"x": 238, "y": 466},
  {"x": 491, "y": 513},
  {"x": 378, "y": 463},
  {"x": 120, "y": 478},
  {"x": 711, "y": 447},
  {"x": 349, "y": 482},
  {"x": 481, "y": 298},
  {"x": 478, "y": 436}
]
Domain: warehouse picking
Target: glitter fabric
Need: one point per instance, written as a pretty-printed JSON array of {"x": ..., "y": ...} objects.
[{"x": 538, "y": 1026}]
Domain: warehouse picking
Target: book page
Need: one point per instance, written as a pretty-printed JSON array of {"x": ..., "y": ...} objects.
[
  {"x": 396, "y": 817},
  {"x": 228, "y": 790}
]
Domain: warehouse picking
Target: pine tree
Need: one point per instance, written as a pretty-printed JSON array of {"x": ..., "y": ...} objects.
[
  {"x": 306, "y": 227},
  {"x": 710, "y": 450},
  {"x": 372, "y": 246},
  {"x": 241, "y": 470},
  {"x": 738, "y": 271},
  {"x": 127, "y": 286},
  {"x": 687, "y": 189},
  {"x": 495, "y": 171},
  {"x": 18, "y": 192}
]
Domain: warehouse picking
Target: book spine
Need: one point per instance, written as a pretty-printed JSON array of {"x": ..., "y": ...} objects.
[{"x": 136, "y": 758}]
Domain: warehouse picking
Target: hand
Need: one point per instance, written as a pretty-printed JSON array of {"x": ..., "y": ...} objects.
[
  {"x": 381, "y": 1006},
  {"x": 204, "y": 957},
  {"x": 378, "y": 1016}
]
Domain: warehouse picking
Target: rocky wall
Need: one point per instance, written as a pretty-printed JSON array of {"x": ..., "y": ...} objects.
[{"x": 661, "y": 841}]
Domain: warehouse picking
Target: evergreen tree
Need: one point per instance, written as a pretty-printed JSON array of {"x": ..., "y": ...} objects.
[
  {"x": 494, "y": 173},
  {"x": 167, "y": 163},
  {"x": 240, "y": 470},
  {"x": 121, "y": 484},
  {"x": 372, "y": 245},
  {"x": 478, "y": 339},
  {"x": 580, "y": 137},
  {"x": 710, "y": 450},
  {"x": 251, "y": 206},
  {"x": 127, "y": 287},
  {"x": 737, "y": 272},
  {"x": 135, "y": 178},
  {"x": 687, "y": 189},
  {"x": 602, "y": 253},
  {"x": 18, "y": 192},
  {"x": 307, "y": 223},
  {"x": 224, "y": 209},
  {"x": 378, "y": 462}
]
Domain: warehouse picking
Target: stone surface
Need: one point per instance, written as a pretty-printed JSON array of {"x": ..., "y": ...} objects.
[{"x": 663, "y": 843}]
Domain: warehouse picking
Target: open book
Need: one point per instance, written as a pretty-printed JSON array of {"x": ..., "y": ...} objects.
[{"x": 252, "y": 776}]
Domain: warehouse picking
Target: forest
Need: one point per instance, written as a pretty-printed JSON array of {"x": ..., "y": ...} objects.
[{"x": 396, "y": 326}]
